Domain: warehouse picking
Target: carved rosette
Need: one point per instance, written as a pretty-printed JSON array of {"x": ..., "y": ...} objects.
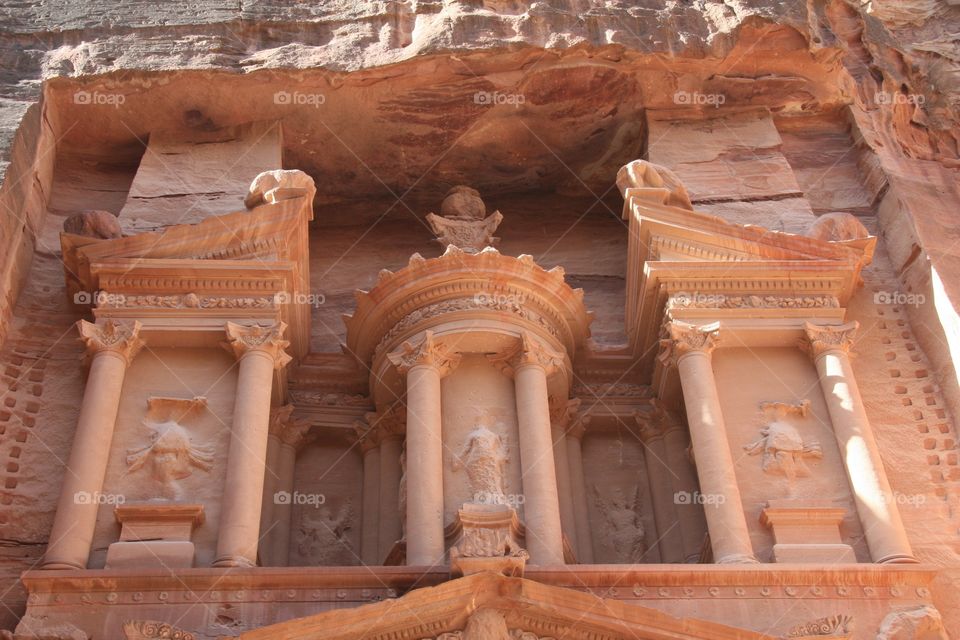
[
  {"x": 428, "y": 351},
  {"x": 119, "y": 338},
  {"x": 686, "y": 339},
  {"x": 289, "y": 430},
  {"x": 822, "y": 339},
  {"x": 243, "y": 340},
  {"x": 528, "y": 352}
]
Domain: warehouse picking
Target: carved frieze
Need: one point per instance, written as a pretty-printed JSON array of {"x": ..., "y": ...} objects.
[
  {"x": 327, "y": 399},
  {"x": 682, "y": 300},
  {"x": 837, "y": 626},
  {"x": 188, "y": 301}
]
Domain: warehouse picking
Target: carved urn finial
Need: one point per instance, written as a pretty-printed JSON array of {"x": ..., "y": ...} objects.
[{"x": 463, "y": 222}]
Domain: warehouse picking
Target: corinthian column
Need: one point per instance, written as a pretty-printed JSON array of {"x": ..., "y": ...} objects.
[
  {"x": 112, "y": 346},
  {"x": 829, "y": 347},
  {"x": 390, "y": 427},
  {"x": 530, "y": 364},
  {"x": 260, "y": 351},
  {"x": 289, "y": 435},
  {"x": 370, "y": 500},
  {"x": 424, "y": 364},
  {"x": 691, "y": 348}
]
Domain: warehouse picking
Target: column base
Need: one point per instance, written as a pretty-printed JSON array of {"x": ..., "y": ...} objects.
[
  {"x": 738, "y": 559},
  {"x": 62, "y": 566},
  {"x": 227, "y": 562},
  {"x": 899, "y": 558}
]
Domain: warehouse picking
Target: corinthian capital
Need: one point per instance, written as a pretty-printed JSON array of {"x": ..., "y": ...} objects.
[
  {"x": 428, "y": 352},
  {"x": 390, "y": 422},
  {"x": 367, "y": 436},
  {"x": 685, "y": 339},
  {"x": 243, "y": 339},
  {"x": 113, "y": 336},
  {"x": 528, "y": 351},
  {"x": 563, "y": 411},
  {"x": 288, "y": 429},
  {"x": 822, "y": 338}
]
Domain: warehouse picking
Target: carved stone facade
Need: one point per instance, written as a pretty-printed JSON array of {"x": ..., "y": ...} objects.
[{"x": 720, "y": 412}]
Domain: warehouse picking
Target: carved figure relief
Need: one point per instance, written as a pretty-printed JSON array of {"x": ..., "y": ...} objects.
[
  {"x": 171, "y": 454},
  {"x": 917, "y": 623},
  {"x": 783, "y": 448},
  {"x": 322, "y": 536},
  {"x": 483, "y": 457},
  {"x": 622, "y": 513}
]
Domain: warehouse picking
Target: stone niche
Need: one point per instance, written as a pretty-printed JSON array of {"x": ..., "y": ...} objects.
[
  {"x": 169, "y": 455},
  {"x": 781, "y": 439},
  {"x": 325, "y": 514}
]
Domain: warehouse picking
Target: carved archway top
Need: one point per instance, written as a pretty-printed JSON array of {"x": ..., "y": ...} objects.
[{"x": 483, "y": 287}]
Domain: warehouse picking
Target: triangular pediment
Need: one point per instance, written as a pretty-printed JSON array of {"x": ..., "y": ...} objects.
[{"x": 504, "y": 608}]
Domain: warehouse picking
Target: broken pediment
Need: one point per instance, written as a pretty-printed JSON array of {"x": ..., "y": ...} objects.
[{"x": 488, "y": 606}]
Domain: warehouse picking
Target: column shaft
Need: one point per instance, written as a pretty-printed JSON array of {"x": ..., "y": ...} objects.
[
  {"x": 246, "y": 459},
  {"x": 729, "y": 534},
  {"x": 425, "y": 543},
  {"x": 390, "y": 448},
  {"x": 286, "y": 464},
  {"x": 568, "y": 519},
  {"x": 369, "y": 532},
  {"x": 578, "y": 493},
  {"x": 76, "y": 517},
  {"x": 271, "y": 486},
  {"x": 876, "y": 506},
  {"x": 690, "y": 515},
  {"x": 659, "y": 477},
  {"x": 541, "y": 503}
]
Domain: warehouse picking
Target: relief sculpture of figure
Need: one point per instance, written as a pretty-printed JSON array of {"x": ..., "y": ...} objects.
[
  {"x": 783, "y": 448},
  {"x": 322, "y": 539},
  {"x": 626, "y": 532},
  {"x": 170, "y": 455},
  {"x": 483, "y": 457}
]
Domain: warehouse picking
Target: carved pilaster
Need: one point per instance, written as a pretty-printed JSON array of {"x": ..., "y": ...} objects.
[
  {"x": 268, "y": 340},
  {"x": 428, "y": 351},
  {"x": 528, "y": 351},
  {"x": 823, "y": 338},
  {"x": 685, "y": 339},
  {"x": 119, "y": 338}
]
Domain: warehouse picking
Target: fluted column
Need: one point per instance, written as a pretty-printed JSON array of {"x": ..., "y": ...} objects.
[
  {"x": 424, "y": 364},
  {"x": 370, "y": 494},
  {"x": 691, "y": 348},
  {"x": 260, "y": 351},
  {"x": 530, "y": 364},
  {"x": 290, "y": 435},
  {"x": 112, "y": 346},
  {"x": 390, "y": 430},
  {"x": 561, "y": 414},
  {"x": 829, "y": 347},
  {"x": 660, "y": 480},
  {"x": 578, "y": 487}
]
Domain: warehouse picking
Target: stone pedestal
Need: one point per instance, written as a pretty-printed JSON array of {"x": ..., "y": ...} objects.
[
  {"x": 807, "y": 531},
  {"x": 154, "y": 536},
  {"x": 486, "y": 538}
]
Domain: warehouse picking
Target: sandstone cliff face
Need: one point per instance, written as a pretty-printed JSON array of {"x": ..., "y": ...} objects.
[{"x": 772, "y": 112}]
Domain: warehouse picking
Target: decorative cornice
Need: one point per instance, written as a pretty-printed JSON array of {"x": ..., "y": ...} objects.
[
  {"x": 188, "y": 301},
  {"x": 289, "y": 430},
  {"x": 428, "y": 351},
  {"x": 685, "y": 339},
  {"x": 245, "y": 339},
  {"x": 684, "y": 300},
  {"x": 119, "y": 338},
  {"x": 822, "y": 339},
  {"x": 528, "y": 351}
]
